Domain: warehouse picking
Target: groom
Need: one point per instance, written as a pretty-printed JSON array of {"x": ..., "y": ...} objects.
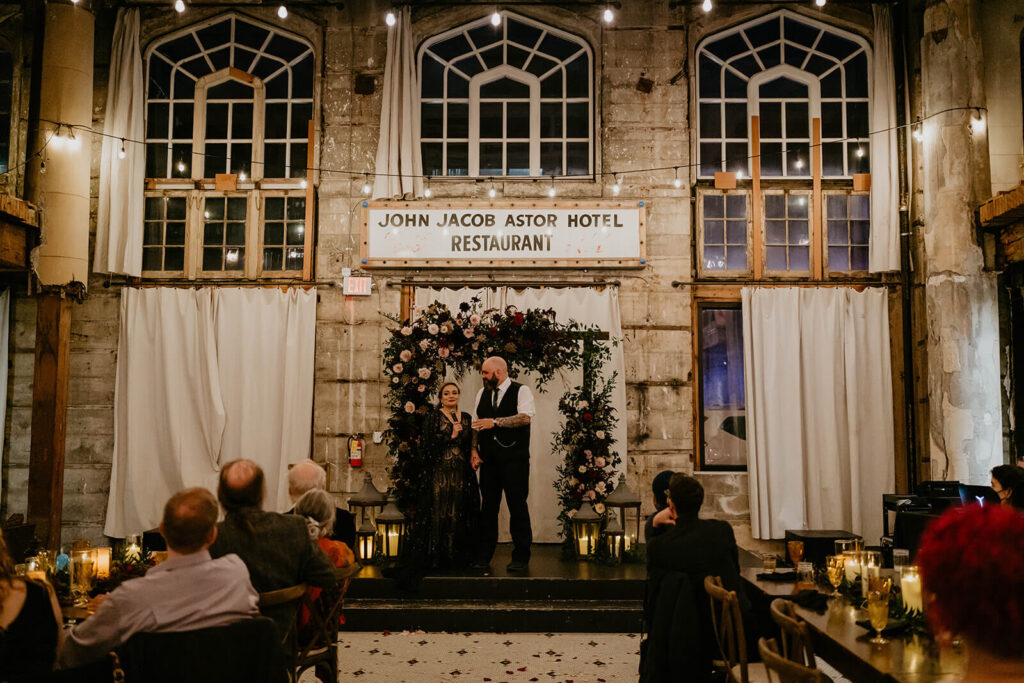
[{"x": 501, "y": 451}]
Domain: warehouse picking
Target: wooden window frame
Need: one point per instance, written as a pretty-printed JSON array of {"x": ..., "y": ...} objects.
[
  {"x": 704, "y": 273},
  {"x": 763, "y": 234},
  {"x": 840, "y": 275},
  {"x": 728, "y": 297}
]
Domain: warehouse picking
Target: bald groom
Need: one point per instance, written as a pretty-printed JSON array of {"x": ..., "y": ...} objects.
[{"x": 501, "y": 436}]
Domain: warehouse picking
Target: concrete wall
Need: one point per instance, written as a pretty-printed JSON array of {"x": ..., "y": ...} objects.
[
  {"x": 634, "y": 130},
  {"x": 1001, "y": 26}
]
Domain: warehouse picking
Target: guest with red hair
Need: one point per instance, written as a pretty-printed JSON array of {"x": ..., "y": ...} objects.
[{"x": 972, "y": 569}]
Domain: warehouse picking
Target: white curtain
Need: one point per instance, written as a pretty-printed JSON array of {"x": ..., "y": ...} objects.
[
  {"x": 5, "y": 334},
  {"x": 399, "y": 168},
  {"x": 884, "y": 246},
  {"x": 203, "y": 377},
  {"x": 122, "y": 181},
  {"x": 819, "y": 409},
  {"x": 586, "y": 306}
]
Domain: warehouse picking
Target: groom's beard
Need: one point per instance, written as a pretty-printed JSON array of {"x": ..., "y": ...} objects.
[{"x": 491, "y": 384}]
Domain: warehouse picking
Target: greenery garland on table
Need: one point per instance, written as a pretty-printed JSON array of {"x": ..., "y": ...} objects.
[{"x": 420, "y": 352}]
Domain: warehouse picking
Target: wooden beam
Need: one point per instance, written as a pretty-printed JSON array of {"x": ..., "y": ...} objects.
[
  {"x": 49, "y": 416},
  {"x": 755, "y": 197},
  {"x": 817, "y": 245}
]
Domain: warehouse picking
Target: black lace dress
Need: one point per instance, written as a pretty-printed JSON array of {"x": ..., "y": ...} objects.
[{"x": 454, "y": 498}]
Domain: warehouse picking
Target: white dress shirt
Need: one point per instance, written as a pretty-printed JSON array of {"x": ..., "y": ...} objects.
[{"x": 524, "y": 404}]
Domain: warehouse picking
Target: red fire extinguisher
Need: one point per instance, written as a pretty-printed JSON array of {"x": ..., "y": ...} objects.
[{"x": 355, "y": 451}]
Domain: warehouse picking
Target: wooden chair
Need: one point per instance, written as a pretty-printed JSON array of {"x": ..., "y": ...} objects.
[
  {"x": 787, "y": 670},
  {"x": 319, "y": 647},
  {"x": 284, "y": 601},
  {"x": 796, "y": 639},
  {"x": 728, "y": 625}
]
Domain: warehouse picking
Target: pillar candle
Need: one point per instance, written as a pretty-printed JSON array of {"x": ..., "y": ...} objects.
[
  {"x": 912, "y": 592},
  {"x": 102, "y": 563}
]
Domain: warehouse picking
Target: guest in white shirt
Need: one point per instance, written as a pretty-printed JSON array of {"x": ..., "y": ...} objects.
[
  {"x": 188, "y": 591},
  {"x": 501, "y": 429}
]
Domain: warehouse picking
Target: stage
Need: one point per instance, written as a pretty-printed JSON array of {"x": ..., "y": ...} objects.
[{"x": 553, "y": 596}]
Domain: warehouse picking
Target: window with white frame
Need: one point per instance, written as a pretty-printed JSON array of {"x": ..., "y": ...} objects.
[
  {"x": 783, "y": 104},
  {"x": 508, "y": 100},
  {"x": 834, "y": 65},
  {"x": 229, "y": 109}
]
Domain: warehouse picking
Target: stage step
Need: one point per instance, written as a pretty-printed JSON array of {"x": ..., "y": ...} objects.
[
  {"x": 489, "y": 588},
  {"x": 535, "y": 616}
]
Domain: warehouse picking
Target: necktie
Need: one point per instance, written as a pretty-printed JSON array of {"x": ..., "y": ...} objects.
[{"x": 494, "y": 399}]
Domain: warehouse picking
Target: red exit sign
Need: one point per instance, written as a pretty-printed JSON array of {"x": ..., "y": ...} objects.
[{"x": 357, "y": 285}]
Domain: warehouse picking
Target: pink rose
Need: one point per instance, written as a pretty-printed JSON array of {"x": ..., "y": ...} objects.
[
  {"x": 405, "y": 355},
  {"x": 410, "y": 407},
  {"x": 599, "y": 434},
  {"x": 406, "y": 331},
  {"x": 432, "y": 328},
  {"x": 474, "y": 319},
  {"x": 425, "y": 344},
  {"x": 599, "y": 461},
  {"x": 421, "y": 388},
  {"x": 443, "y": 352},
  {"x": 591, "y": 495},
  {"x": 397, "y": 368},
  {"x": 394, "y": 380},
  {"x": 468, "y": 334},
  {"x": 424, "y": 373}
]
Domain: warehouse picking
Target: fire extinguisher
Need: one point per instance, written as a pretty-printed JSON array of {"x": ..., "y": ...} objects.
[{"x": 355, "y": 451}]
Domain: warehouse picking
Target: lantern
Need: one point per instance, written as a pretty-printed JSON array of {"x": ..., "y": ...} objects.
[
  {"x": 133, "y": 547},
  {"x": 614, "y": 537},
  {"x": 390, "y": 531},
  {"x": 365, "y": 537},
  {"x": 103, "y": 562},
  {"x": 625, "y": 500},
  {"x": 367, "y": 497},
  {"x": 586, "y": 530}
]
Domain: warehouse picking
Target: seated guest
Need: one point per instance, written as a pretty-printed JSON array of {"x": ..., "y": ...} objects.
[
  {"x": 30, "y": 621},
  {"x": 187, "y": 591},
  {"x": 276, "y": 548},
  {"x": 681, "y": 552},
  {"x": 308, "y": 475},
  {"x": 660, "y": 488},
  {"x": 972, "y": 572},
  {"x": 317, "y": 507},
  {"x": 1008, "y": 483}
]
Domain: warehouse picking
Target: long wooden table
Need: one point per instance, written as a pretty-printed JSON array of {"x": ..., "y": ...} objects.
[{"x": 845, "y": 645}]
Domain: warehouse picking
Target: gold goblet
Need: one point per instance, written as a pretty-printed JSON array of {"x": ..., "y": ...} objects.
[
  {"x": 878, "y": 614},
  {"x": 796, "y": 551},
  {"x": 836, "y": 567}
]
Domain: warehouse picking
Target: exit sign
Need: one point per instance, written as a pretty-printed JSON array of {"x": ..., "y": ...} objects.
[{"x": 357, "y": 285}]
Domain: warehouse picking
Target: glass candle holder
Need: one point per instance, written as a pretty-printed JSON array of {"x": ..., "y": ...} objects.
[
  {"x": 911, "y": 586},
  {"x": 83, "y": 572},
  {"x": 851, "y": 565}
]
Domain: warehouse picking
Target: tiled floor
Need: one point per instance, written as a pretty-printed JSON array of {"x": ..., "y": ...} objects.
[{"x": 418, "y": 657}]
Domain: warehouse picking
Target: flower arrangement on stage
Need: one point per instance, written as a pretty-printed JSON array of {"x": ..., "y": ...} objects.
[{"x": 420, "y": 352}]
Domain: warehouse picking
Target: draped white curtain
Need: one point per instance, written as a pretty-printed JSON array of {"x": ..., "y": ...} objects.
[
  {"x": 884, "y": 246},
  {"x": 819, "y": 409},
  {"x": 399, "y": 167},
  {"x": 586, "y": 306},
  {"x": 204, "y": 377},
  {"x": 122, "y": 181}
]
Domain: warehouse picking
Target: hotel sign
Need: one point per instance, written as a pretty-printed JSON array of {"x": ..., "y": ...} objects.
[{"x": 530, "y": 234}]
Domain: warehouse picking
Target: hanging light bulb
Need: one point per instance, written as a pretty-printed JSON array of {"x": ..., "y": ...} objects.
[
  {"x": 427, "y": 192},
  {"x": 179, "y": 6},
  {"x": 706, "y": 6},
  {"x": 860, "y": 151},
  {"x": 389, "y": 19},
  {"x": 241, "y": 176},
  {"x": 122, "y": 153},
  {"x": 739, "y": 175},
  {"x": 304, "y": 184},
  {"x": 282, "y": 12},
  {"x": 42, "y": 167},
  {"x": 977, "y": 123},
  {"x": 617, "y": 186},
  {"x": 551, "y": 190},
  {"x": 496, "y": 18},
  {"x": 491, "y": 192},
  {"x": 919, "y": 133},
  {"x": 608, "y": 15},
  {"x": 366, "y": 184},
  {"x": 73, "y": 141},
  {"x": 677, "y": 182},
  {"x": 799, "y": 163},
  {"x": 75, "y": 2},
  {"x": 820, "y": 3}
]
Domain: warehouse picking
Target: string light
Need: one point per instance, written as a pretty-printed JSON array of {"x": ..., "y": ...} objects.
[
  {"x": 820, "y": 3},
  {"x": 389, "y": 19},
  {"x": 799, "y": 163},
  {"x": 678, "y": 182},
  {"x": 366, "y": 184},
  {"x": 122, "y": 153},
  {"x": 242, "y": 176},
  {"x": 42, "y": 167},
  {"x": 706, "y": 6},
  {"x": 496, "y": 18},
  {"x": 977, "y": 123},
  {"x": 860, "y": 151},
  {"x": 181, "y": 167},
  {"x": 608, "y": 15},
  {"x": 617, "y": 186},
  {"x": 491, "y": 192},
  {"x": 304, "y": 184},
  {"x": 551, "y": 190},
  {"x": 282, "y": 12},
  {"x": 919, "y": 133},
  {"x": 179, "y": 6},
  {"x": 427, "y": 192}
]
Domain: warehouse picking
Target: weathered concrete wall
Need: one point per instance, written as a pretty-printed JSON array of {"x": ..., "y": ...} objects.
[{"x": 963, "y": 371}]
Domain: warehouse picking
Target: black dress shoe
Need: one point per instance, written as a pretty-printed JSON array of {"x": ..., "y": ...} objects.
[{"x": 517, "y": 566}]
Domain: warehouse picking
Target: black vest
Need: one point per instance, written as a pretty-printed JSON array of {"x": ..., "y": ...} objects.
[{"x": 502, "y": 441}]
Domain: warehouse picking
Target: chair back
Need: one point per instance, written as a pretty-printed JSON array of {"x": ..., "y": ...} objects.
[
  {"x": 796, "y": 639},
  {"x": 246, "y": 651},
  {"x": 728, "y": 626},
  {"x": 786, "y": 670},
  {"x": 318, "y": 642}
]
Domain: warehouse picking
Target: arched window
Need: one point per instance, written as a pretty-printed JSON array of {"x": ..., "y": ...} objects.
[
  {"x": 787, "y": 70},
  {"x": 783, "y": 100},
  {"x": 228, "y": 96},
  {"x": 508, "y": 100}
]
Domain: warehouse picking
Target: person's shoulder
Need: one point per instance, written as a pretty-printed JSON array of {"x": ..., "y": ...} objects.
[
  {"x": 230, "y": 563},
  {"x": 341, "y": 513}
]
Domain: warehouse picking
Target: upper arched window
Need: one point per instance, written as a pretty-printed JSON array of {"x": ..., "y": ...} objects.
[
  {"x": 231, "y": 96},
  {"x": 507, "y": 100},
  {"x": 787, "y": 70}
]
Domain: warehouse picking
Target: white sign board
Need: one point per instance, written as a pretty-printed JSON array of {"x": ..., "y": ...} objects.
[{"x": 510, "y": 234}]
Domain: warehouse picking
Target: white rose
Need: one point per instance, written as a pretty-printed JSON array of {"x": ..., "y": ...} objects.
[
  {"x": 582, "y": 405},
  {"x": 447, "y": 328},
  {"x": 424, "y": 373},
  {"x": 405, "y": 355},
  {"x": 601, "y": 487},
  {"x": 599, "y": 508},
  {"x": 425, "y": 344},
  {"x": 406, "y": 331},
  {"x": 474, "y": 319},
  {"x": 582, "y": 469},
  {"x": 599, "y": 434},
  {"x": 432, "y": 328}
]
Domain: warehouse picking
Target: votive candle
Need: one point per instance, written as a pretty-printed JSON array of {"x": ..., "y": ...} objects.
[
  {"x": 103, "y": 562},
  {"x": 911, "y": 585}
]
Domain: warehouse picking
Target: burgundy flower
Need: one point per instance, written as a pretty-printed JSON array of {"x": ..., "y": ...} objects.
[
  {"x": 518, "y": 318},
  {"x": 493, "y": 331},
  {"x": 588, "y": 417}
]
